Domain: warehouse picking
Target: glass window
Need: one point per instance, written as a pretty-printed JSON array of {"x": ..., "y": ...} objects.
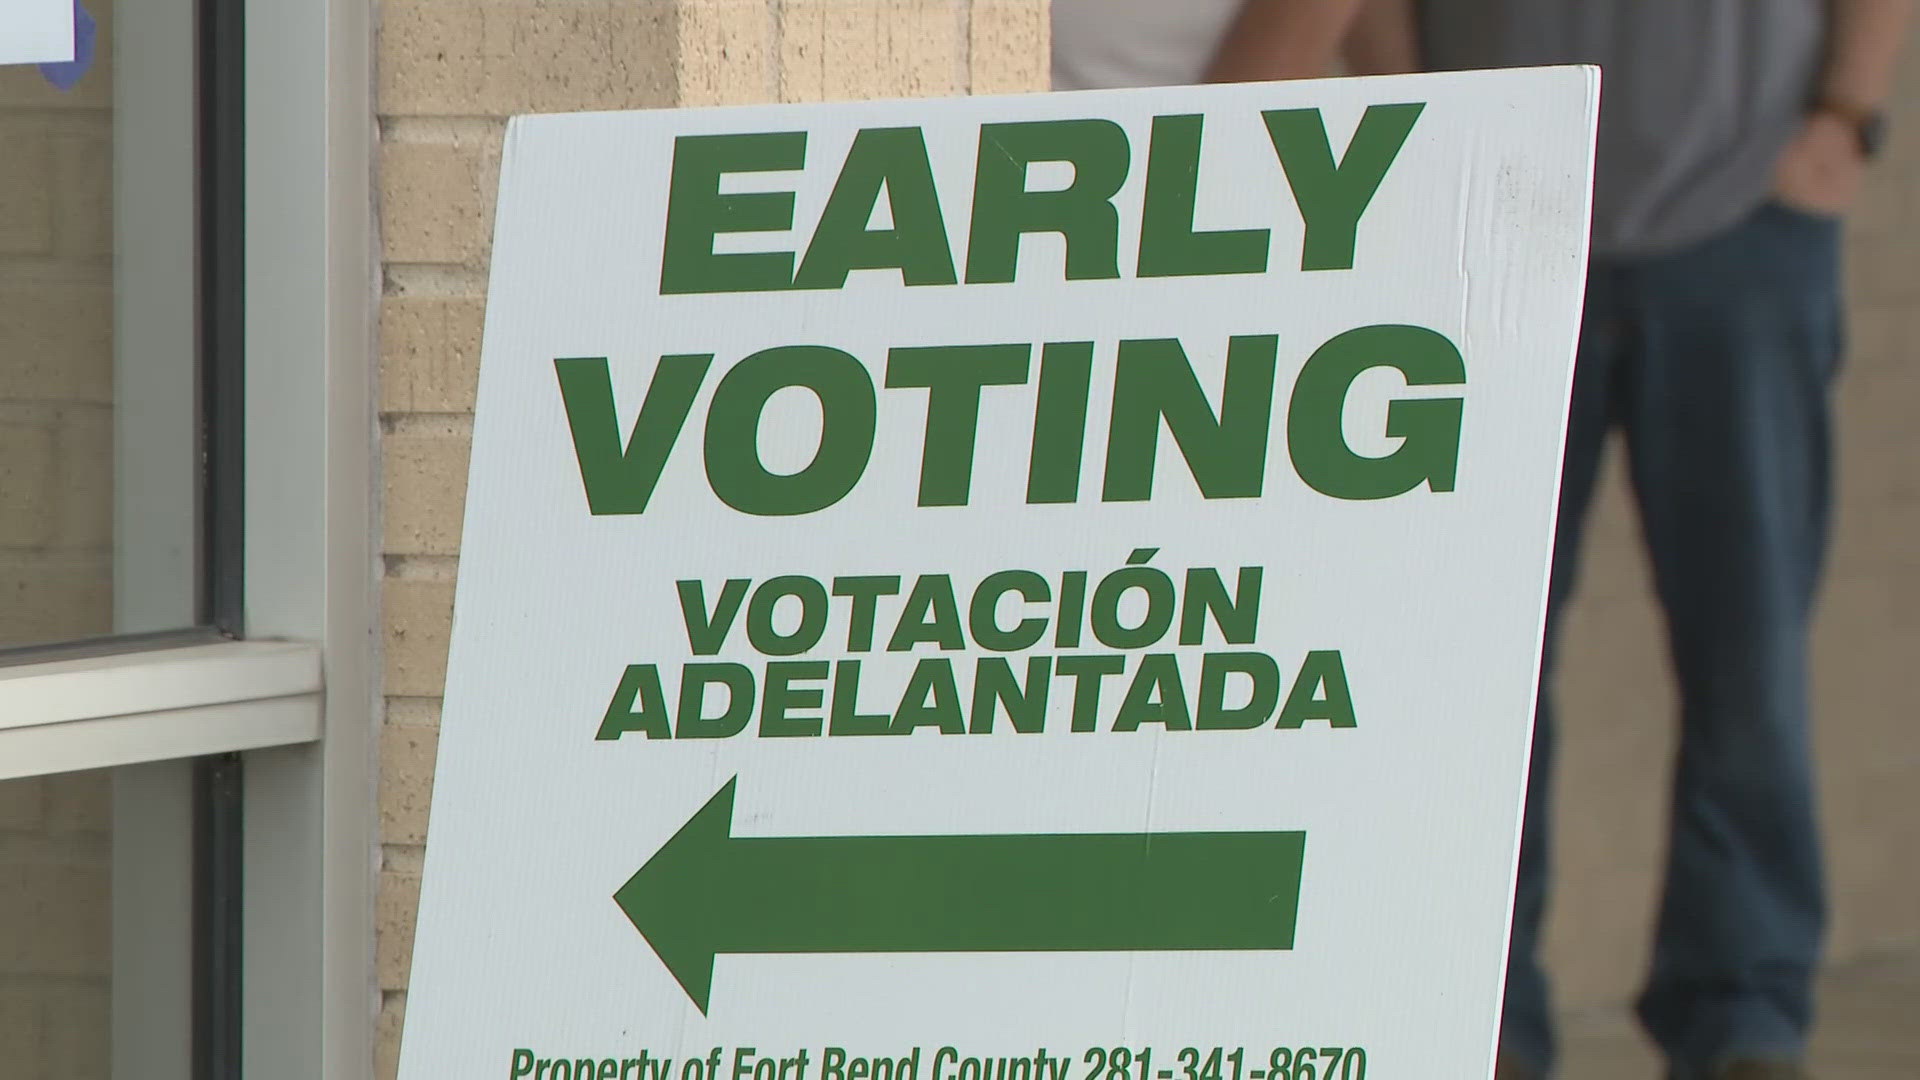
[
  {"x": 56, "y": 353},
  {"x": 103, "y": 498},
  {"x": 111, "y": 399}
]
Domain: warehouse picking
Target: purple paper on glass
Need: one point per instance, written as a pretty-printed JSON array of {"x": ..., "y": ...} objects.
[{"x": 66, "y": 75}]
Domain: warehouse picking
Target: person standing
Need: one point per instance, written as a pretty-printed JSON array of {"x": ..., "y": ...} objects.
[
  {"x": 1733, "y": 135},
  {"x": 1104, "y": 44}
]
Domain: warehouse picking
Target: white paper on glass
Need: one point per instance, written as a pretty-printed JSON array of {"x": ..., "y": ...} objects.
[{"x": 36, "y": 31}]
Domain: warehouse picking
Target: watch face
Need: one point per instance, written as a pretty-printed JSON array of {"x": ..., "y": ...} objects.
[{"x": 1873, "y": 134}]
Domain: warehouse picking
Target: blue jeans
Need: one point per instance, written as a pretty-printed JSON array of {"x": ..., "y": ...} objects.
[{"x": 1715, "y": 363}]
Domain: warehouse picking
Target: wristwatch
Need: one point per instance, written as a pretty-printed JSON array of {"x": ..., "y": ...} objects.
[{"x": 1869, "y": 124}]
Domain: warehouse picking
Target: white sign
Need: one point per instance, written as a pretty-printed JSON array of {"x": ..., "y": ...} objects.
[
  {"x": 36, "y": 31},
  {"x": 1029, "y": 588}
]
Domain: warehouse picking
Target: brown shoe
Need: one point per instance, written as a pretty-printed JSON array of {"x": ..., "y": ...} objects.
[{"x": 1761, "y": 1069}]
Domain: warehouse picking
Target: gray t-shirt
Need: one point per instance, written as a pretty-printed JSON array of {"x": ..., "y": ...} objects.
[{"x": 1697, "y": 97}]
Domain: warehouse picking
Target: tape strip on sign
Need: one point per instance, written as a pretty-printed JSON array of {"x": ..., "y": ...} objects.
[{"x": 1006, "y": 588}]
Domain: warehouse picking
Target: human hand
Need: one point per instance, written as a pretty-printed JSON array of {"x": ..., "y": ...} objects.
[{"x": 1822, "y": 168}]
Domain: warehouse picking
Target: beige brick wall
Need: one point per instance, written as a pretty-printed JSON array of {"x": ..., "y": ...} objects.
[
  {"x": 1617, "y": 703},
  {"x": 56, "y": 430},
  {"x": 450, "y": 72}
]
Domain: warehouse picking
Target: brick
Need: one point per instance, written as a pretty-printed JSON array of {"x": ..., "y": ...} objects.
[
  {"x": 1611, "y": 683},
  {"x": 922, "y": 45},
  {"x": 21, "y": 1029},
  {"x": 726, "y": 52},
  {"x": 499, "y": 57},
  {"x": 1878, "y": 536},
  {"x": 1851, "y": 597},
  {"x": 436, "y": 201},
  {"x": 80, "y": 802},
  {"x": 29, "y": 475},
  {"x": 429, "y": 354},
  {"x": 56, "y": 477},
  {"x": 394, "y": 909},
  {"x": 416, "y": 617},
  {"x": 1861, "y": 656},
  {"x": 1009, "y": 47},
  {"x": 1874, "y": 468},
  {"x": 58, "y": 327},
  {"x": 1886, "y": 200},
  {"x": 21, "y": 805},
  {"x": 1615, "y": 717},
  {"x": 67, "y": 909},
  {"x": 1881, "y": 267},
  {"x": 425, "y": 490},
  {"x": 1876, "y": 406},
  {"x": 84, "y": 456},
  {"x": 1613, "y": 560},
  {"x": 1871, "y": 830},
  {"x": 1597, "y": 930},
  {"x": 836, "y": 51},
  {"x": 26, "y": 189},
  {"x": 42, "y": 602},
  {"x": 407, "y": 757},
  {"x": 415, "y": 711},
  {"x": 79, "y": 1032},
  {"x": 403, "y": 858},
  {"x": 804, "y": 56},
  {"x": 1877, "y": 334},
  {"x": 386, "y": 1044},
  {"x": 84, "y": 216}
]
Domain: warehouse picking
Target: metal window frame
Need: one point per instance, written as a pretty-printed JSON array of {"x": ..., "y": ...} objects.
[
  {"x": 217, "y": 1010},
  {"x": 75, "y": 705},
  {"x": 221, "y": 122},
  {"x": 157, "y": 705},
  {"x": 313, "y": 289}
]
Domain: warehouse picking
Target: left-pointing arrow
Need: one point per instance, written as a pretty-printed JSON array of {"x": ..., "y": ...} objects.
[{"x": 707, "y": 892}]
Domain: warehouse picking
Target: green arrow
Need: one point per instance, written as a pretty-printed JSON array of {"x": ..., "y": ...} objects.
[{"x": 707, "y": 891}]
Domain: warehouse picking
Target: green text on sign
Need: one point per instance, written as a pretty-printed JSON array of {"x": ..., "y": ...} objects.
[{"x": 1154, "y": 386}]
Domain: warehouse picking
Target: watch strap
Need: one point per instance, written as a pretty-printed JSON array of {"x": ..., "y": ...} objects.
[{"x": 1869, "y": 124}]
